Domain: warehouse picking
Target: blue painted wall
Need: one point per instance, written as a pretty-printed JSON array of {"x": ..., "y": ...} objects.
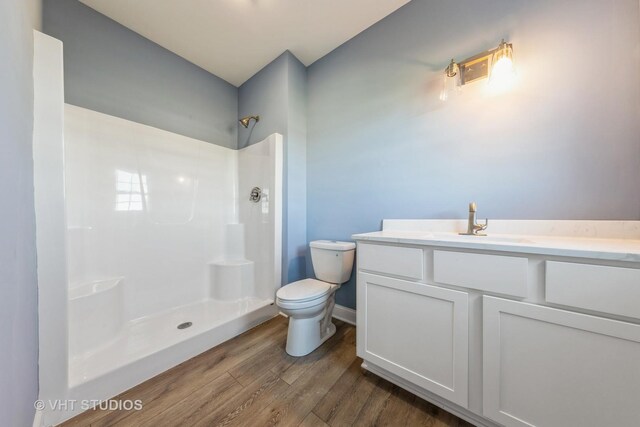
[
  {"x": 18, "y": 283},
  {"x": 278, "y": 94},
  {"x": 111, "y": 69},
  {"x": 564, "y": 143},
  {"x": 264, "y": 94}
]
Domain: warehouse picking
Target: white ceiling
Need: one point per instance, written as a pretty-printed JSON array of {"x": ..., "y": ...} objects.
[{"x": 234, "y": 39}]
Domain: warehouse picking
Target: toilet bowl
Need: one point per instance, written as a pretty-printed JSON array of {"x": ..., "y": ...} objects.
[{"x": 309, "y": 302}]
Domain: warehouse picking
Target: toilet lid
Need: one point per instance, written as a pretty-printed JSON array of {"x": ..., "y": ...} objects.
[{"x": 303, "y": 290}]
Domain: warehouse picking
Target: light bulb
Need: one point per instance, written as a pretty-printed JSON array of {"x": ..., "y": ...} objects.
[{"x": 502, "y": 69}]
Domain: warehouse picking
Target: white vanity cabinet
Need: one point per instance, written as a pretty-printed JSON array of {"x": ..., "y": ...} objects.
[
  {"x": 548, "y": 367},
  {"x": 518, "y": 331},
  {"x": 417, "y": 332}
]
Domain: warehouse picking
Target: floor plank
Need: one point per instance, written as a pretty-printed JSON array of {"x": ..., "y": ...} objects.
[
  {"x": 251, "y": 381},
  {"x": 192, "y": 407},
  {"x": 398, "y": 408},
  {"x": 304, "y": 394},
  {"x": 342, "y": 405},
  {"x": 312, "y": 420},
  {"x": 241, "y": 410},
  {"x": 375, "y": 404},
  {"x": 253, "y": 367}
]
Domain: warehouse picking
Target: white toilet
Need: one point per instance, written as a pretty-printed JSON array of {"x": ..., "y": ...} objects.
[{"x": 309, "y": 302}]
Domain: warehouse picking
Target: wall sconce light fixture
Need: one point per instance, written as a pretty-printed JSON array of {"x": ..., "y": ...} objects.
[
  {"x": 451, "y": 80},
  {"x": 497, "y": 64}
]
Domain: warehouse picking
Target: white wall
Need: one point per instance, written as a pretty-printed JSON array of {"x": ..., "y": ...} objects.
[
  {"x": 260, "y": 165},
  {"x": 48, "y": 158},
  {"x": 147, "y": 205}
]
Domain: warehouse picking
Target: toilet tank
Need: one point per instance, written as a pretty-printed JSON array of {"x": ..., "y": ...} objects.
[{"x": 332, "y": 260}]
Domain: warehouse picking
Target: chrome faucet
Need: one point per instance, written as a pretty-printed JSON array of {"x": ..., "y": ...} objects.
[{"x": 473, "y": 228}]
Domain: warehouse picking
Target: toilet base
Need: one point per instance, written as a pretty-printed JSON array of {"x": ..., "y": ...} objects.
[{"x": 305, "y": 335}]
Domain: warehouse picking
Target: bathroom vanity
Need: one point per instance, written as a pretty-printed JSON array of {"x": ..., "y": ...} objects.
[{"x": 537, "y": 323}]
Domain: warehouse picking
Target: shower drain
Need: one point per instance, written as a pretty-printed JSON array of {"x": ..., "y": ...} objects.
[{"x": 184, "y": 325}]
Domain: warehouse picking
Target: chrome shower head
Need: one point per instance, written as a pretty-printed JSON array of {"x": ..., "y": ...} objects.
[{"x": 245, "y": 120}]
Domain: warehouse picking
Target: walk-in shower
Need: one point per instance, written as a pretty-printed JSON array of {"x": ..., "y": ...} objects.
[
  {"x": 161, "y": 233},
  {"x": 151, "y": 248}
]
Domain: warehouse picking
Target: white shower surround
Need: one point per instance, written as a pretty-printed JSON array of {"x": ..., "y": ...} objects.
[
  {"x": 139, "y": 230},
  {"x": 160, "y": 232}
]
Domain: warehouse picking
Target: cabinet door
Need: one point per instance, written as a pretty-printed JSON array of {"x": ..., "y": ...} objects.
[
  {"x": 550, "y": 367},
  {"x": 417, "y": 332}
]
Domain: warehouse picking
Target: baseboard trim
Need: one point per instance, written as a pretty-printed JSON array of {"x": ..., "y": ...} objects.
[{"x": 346, "y": 314}]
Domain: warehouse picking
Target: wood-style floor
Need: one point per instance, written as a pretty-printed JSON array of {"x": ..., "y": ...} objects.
[{"x": 251, "y": 381}]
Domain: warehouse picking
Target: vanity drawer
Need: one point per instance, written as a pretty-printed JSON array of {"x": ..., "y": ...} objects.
[
  {"x": 504, "y": 275},
  {"x": 613, "y": 290},
  {"x": 392, "y": 260}
]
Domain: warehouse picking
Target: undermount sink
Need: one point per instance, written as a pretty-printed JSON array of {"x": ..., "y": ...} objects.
[{"x": 479, "y": 239}]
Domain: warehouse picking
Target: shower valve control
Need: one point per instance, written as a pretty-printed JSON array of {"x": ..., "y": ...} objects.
[{"x": 256, "y": 194}]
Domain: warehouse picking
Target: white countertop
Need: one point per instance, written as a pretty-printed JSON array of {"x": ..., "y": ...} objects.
[{"x": 580, "y": 244}]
